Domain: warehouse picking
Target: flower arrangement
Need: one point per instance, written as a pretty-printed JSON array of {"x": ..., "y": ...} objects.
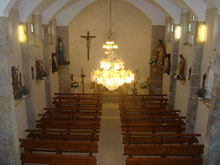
[
  {"x": 144, "y": 85},
  {"x": 74, "y": 84},
  {"x": 44, "y": 74},
  {"x": 202, "y": 93},
  {"x": 66, "y": 61},
  {"x": 176, "y": 75},
  {"x": 153, "y": 61},
  {"x": 23, "y": 92}
]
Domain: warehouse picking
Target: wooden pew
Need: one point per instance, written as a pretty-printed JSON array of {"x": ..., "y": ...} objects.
[
  {"x": 78, "y": 98},
  {"x": 150, "y": 117},
  {"x": 133, "y": 112},
  {"x": 144, "y": 105},
  {"x": 79, "y": 94},
  {"x": 57, "y": 159},
  {"x": 178, "y": 128},
  {"x": 83, "y": 135},
  {"x": 61, "y": 117},
  {"x": 71, "y": 103},
  {"x": 72, "y": 109},
  {"x": 164, "y": 151},
  {"x": 69, "y": 125},
  {"x": 159, "y": 138},
  {"x": 142, "y": 96},
  {"x": 164, "y": 161},
  {"x": 71, "y": 116},
  {"x": 59, "y": 147}
]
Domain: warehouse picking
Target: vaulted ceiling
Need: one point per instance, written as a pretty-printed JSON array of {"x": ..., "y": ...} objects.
[{"x": 65, "y": 10}]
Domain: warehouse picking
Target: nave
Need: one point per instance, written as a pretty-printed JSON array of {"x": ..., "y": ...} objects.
[{"x": 108, "y": 130}]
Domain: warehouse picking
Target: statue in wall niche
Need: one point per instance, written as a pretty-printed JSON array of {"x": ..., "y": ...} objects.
[
  {"x": 209, "y": 79},
  {"x": 160, "y": 53},
  {"x": 39, "y": 66},
  {"x": 179, "y": 74},
  {"x": 167, "y": 64},
  {"x": 16, "y": 81},
  {"x": 60, "y": 51},
  {"x": 54, "y": 62}
]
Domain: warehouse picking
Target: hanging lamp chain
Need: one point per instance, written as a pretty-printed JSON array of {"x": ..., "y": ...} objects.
[{"x": 111, "y": 19}]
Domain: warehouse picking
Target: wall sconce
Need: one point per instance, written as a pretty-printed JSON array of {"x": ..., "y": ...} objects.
[
  {"x": 201, "y": 33},
  {"x": 177, "y": 32},
  {"x": 22, "y": 35}
]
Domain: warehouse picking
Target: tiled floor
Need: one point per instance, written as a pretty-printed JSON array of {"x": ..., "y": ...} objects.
[{"x": 110, "y": 145}]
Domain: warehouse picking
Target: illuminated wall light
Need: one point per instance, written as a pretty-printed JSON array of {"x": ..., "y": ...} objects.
[
  {"x": 201, "y": 33},
  {"x": 171, "y": 29},
  {"x": 22, "y": 36},
  {"x": 177, "y": 32}
]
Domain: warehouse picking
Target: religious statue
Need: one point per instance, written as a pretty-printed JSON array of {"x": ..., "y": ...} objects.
[
  {"x": 54, "y": 62},
  {"x": 39, "y": 66},
  {"x": 60, "y": 51},
  {"x": 160, "y": 53},
  {"x": 167, "y": 64},
  {"x": 209, "y": 79},
  {"x": 16, "y": 81},
  {"x": 179, "y": 74}
]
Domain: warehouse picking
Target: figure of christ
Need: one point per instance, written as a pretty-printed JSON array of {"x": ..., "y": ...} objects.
[
  {"x": 88, "y": 38},
  {"x": 60, "y": 51},
  {"x": 160, "y": 53},
  {"x": 180, "y": 68}
]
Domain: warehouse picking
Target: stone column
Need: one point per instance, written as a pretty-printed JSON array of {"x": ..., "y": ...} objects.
[
  {"x": 174, "y": 60},
  {"x": 47, "y": 64},
  {"x": 156, "y": 73},
  {"x": 9, "y": 145},
  {"x": 64, "y": 74},
  {"x": 193, "y": 89},
  {"x": 194, "y": 84},
  {"x": 212, "y": 142},
  {"x": 26, "y": 63}
]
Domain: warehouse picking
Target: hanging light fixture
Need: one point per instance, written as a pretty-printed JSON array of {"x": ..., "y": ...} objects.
[{"x": 111, "y": 73}]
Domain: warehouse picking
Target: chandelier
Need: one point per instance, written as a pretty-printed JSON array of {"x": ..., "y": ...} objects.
[{"x": 111, "y": 73}]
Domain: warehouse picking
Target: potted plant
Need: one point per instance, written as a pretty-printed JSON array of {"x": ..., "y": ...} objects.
[
  {"x": 202, "y": 93},
  {"x": 24, "y": 92},
  {"x": 144, "y": 85},
  {"x": 66, "y": 62},
  {"x": 44, "y": 74}
]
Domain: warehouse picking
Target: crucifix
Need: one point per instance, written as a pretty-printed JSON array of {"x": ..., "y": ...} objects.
[
  {"x": 83, "y": 76},
  {"x": 88, "y": 38}
]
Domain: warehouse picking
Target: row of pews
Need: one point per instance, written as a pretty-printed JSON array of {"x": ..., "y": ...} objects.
[
  {"x": 67, "y": 133},
  {"x": 154, "y": 135}
]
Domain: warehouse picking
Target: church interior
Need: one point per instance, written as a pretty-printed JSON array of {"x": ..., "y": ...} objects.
[{"x": 110, "y": 82}]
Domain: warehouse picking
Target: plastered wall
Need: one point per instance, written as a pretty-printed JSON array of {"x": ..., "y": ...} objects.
[{"x": 132, "y": 33}]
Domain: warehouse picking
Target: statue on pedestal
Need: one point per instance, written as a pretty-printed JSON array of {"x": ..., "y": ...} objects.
[
  {"x": 209, "y": 79},
  {"x": 179, "y": 74},
  {"x": 160, "y": 53}
]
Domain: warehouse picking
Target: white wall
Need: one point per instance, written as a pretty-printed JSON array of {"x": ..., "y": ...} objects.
[
  {"x": 208, "y": 52},
  {"x": 132, "y": 33},
  {"x": 16, "y": 60}
]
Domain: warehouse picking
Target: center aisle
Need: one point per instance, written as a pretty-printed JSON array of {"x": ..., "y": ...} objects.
[{"x": 110, "y": 144}]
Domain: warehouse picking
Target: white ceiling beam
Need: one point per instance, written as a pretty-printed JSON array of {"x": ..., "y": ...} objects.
[
  {"x": 156, "y": 16},
  {"x": 51, "y": 11},
  {"x": 26, "y": 8},
  {"x": 217, "y": 4},
  {"x": 198, "y": 7},
  {"x": 6, "y": 6},
  {"x": 171, "y": 9},
  {"x": 65, "y": 16}
]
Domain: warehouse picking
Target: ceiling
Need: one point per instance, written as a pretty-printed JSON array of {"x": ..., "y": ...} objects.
[{"x": 65, "y": 10}]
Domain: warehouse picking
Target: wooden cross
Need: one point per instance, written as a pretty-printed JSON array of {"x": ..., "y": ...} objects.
[
  {"x": 88, "y": 38},
  {"x": 83, "y": 76}
]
